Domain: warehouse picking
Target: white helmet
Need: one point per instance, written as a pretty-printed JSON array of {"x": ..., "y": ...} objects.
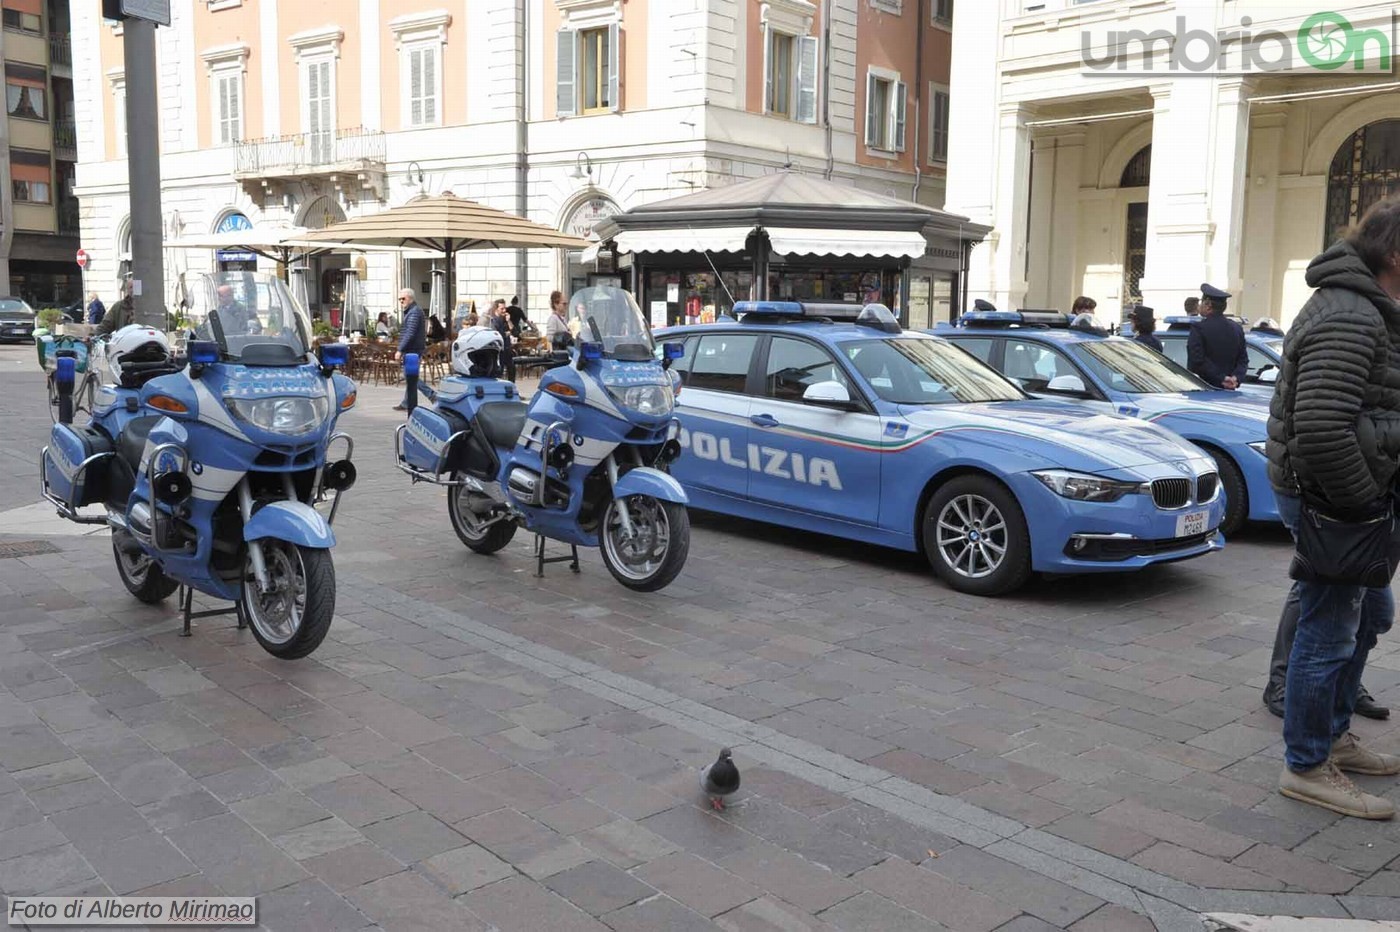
[
  {"x": 133, "y": 344},
  {"x": 476, "y": 351}
]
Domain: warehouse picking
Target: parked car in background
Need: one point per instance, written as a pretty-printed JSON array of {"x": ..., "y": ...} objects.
[
  {"x": 16, "y": 321},
  {"x": 1263, "y": 347},
  {"x": 831, "y": 419},
  {"x": 1049, "y": 359}
]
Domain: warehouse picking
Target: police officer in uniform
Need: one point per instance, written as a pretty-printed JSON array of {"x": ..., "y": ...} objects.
[
  {"x": 1144, "y": 322},
  {"x": 1215, "y": 349}
]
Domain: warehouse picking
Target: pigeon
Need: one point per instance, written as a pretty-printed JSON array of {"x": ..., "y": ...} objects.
[{"x": 720, "y": 779}]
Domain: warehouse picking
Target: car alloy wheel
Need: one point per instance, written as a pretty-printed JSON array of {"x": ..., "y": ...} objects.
[{"x": 972, "y": 536}]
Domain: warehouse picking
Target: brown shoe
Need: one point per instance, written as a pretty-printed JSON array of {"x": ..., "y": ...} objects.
[
  {"x": 1348, "y": 754},
  {"x": 1328, "y": 787}
]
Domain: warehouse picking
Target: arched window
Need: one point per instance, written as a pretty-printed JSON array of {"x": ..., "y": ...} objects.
[
  {"x": 1138, "y": 172},
  {"x": 321, "y": 213},
  {"x": 1366, "y": 169}
]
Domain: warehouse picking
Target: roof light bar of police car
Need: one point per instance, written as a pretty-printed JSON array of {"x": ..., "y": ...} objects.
[
  {"x": 1179, "y": 321},
  {"x": 1007, "y": 319},
  {"x": 866, "y": 315}
]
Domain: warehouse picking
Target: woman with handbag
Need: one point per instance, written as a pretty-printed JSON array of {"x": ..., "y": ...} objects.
[{"x": 1334, "y": 440}]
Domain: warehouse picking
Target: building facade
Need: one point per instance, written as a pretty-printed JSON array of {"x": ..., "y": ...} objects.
[
  {"x": 1129, "y": 150},
  {"x": 39, "y": 211},
  {"x": 303, "y": 112}
]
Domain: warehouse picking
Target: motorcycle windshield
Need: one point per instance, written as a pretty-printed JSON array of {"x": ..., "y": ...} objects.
[
  {"x": 251, "y": 316},
  {"x": 610, "y": 316}
]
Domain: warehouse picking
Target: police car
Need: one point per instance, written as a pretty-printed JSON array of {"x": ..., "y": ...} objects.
[
  {"x": 1263, "y": 345},
  {"x": 832, "y": 419},
  {"x": 1043, "y": 354}
]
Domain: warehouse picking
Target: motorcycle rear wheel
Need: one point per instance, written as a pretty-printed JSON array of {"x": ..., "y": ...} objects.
[
  {"x": 653, "y": 557},
  {"x": 142, "y": 577},
  {"x": 291, "y": 619},
  {"x": 466, "y": 523}
]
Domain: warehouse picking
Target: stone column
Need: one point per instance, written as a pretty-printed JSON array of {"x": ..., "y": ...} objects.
[
  {"x": 1054, "y": 220},
  {"x": 1259, "y": 291},
  {"x": 1010, "y": 208},
  {"x": 1178, "y": 223}
]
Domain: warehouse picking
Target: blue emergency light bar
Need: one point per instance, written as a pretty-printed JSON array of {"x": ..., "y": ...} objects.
[
  {"x": 1180, "y": 321},
  {"x": 1008, "y": 319},
  {"x": 798, "y": 309}
]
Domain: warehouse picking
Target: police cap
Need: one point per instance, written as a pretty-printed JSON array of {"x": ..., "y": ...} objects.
[
  {"x": 1214, "y": 293},
  {"x": 981, "y": 304}
]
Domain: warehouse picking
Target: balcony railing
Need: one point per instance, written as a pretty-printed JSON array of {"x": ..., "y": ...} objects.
[
  {"x": 65, "y": 140},
  {"x": 310, "y": 153},
  {"x": 60, "y": 49},
  {"x": 68, "y": 217}
]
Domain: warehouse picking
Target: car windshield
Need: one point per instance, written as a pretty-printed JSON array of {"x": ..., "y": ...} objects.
[
  {"x": 250, "y": 316},
  {"x": 1126, "y": 366},
  {"x": 916, "y": 371},
  {"x": 12, "y": 308},
  {"x": 1274, "y": 345},
  {"x": 610, "y": 316}
]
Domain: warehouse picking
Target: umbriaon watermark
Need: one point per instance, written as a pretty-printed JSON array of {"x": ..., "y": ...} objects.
[{"x": 1325, "y": 41}]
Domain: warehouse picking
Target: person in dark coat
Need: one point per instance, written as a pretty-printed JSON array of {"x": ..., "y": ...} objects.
[
  {"x": 412, "y": 335},
  {"x": 436, "y": 331},
  {"x": 1144, "y": 322},
  {"x": 518, "y": 318},
  {"x": 1215, "y": 348},
  {"x": 96, "y": 310},
  {"x": 118, "y": 315},
  {"x": 500, "y": 320},
  {"x": 1334, "y": 436}
]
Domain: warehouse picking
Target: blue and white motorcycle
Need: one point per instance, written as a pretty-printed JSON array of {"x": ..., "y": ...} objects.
[
  {"x": 208, "y": 468},
  {"x": 583, "y": 463}
]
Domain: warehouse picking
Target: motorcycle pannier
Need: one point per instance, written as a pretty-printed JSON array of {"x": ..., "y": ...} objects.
[
  {"x": 70, "y": 447},
  {"x": 426, "y": 439}
]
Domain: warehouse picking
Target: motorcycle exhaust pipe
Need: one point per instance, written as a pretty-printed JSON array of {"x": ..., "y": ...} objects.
[
  {"x": 65, "y": 371},
  {"x": 412, "y": 364}
]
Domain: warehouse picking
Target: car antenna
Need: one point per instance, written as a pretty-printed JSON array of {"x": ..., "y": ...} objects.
[{"x": 718, "y": 277}]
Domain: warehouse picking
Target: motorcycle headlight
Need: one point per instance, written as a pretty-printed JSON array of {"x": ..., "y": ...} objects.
[
  {"x": 280, "y": 415},
  {"x": 1083, "y": 487},
  {"x": 650, "y": 400}
]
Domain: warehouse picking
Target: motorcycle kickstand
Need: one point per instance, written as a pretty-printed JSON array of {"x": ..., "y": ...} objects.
[
  {"x": 541, "y": 559},
  {"x": 187, "y": 603}
]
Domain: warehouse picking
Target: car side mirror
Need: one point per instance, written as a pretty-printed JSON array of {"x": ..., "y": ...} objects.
[
  {"x": 1069, "y": 384},
  {"x": 1269, "y": 374},
  {"x": 830, "y": 394}
]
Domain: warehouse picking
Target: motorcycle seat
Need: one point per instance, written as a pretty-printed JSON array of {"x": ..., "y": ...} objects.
[
  {"x": 132, "y": 440},
  {"x": 502, "y": 421}
]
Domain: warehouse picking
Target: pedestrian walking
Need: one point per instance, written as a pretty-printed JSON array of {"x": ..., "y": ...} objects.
[
  {"x": 1215, "y": 348},
  {"x": 500, "y": 320},
  {"x": 412, "y": 335},
  {"x": 1333, "y": 452},
  {"x": 518, "y": 318},
  {"x": 1366, "y": 704},
  {"x": 1144, "y": 322},
  {"x": 96, "y": 310}
]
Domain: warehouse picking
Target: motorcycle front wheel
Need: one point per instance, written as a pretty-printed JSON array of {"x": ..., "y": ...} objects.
[
  {"x": 652, "y": 555},
  {"x": 291, "y": 618},
  {"x": 466, "y": 521},
  {"x": 142, "y": 577}
]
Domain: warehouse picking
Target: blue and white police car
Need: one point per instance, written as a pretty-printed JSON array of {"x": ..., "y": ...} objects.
[
  {"x": 830, "y": 418},
  {"x": 1263, "y": 345},
  {"x": 1050, "y": 359}
]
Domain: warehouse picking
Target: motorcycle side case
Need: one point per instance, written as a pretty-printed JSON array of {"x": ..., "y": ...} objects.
[
  {"x": 426, "y": 439},
  {"x": 69, "y": 447}
]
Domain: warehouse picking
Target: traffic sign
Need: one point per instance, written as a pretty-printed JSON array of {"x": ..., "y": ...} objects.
[{"x": 82, "y": 258}]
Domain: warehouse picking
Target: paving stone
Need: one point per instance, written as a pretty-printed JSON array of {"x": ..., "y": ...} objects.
[
  {"x": 1014, "y": 804},
  {"x": 935, "y": 897},
  {"x": 35, "y": 836},
  {"x": 886, "y": 832},
  {"x": 1011, "y": 884},
  {"x": 96, "y": 823},
  {"x": 521, "y": 904},
  {"x": 625, "y": 844},
  {"x": 414, "y": 836},
  {"x": 348, "y": 868},
  {"x": 318, "y": 838},
  {"x": 359, "y": 800},
  {"x": 182, "y": 810},
  {"x": 657, "y": 913},
  {"x": 916, "y": 768},
  {"x": 1297, "y": 871},
  {"x": 802, "y": 883},
  {"x": 554, "y": 858},
  {"x": 276, "y": 813},
  {"x": 793, "y": 792},
  {"x": 309, "y": 904},
  {"x": 466, "y": 868},
  {"x": 462, "y": 757},
  {"x": 66, "y": 771},
  {"x": 1247, "y": 823},
  {"x": 1192, "y": 867},
  {"x": 1111, "y": 918},
  {"x": 407, "y": 901},
  {"x": 630, "y": 799},
  {"x": 1112, "y": 838},
  {"x": 573, "y": 816},
  {"x": 597, "y": 887},
  {"x": 242, "y": 783},
  {"x": 136, "y": 861},
  {"x": 205, "y": 760},
  {"x": 40, "y": 871},
  {"x": 1173, "y": 828},
  {"x": 767, "y": 914},
  {"x": 510, "y": 835},
  {"x": 1030, "y": 924},
  {"x": 696, "y": 883},
  {"x": 870, "y": 912}
]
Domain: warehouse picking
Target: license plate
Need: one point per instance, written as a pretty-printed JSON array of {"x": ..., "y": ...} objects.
[{"x": 1190, "y": 525}]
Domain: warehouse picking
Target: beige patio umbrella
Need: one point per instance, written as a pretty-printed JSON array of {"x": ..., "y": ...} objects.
[{"x": 446, "y": 224}]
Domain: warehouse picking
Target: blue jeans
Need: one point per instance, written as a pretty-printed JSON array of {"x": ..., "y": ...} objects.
[{"x": 1337, "y": 627}]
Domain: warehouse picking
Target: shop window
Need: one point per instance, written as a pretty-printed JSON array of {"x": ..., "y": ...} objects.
[
  {"x": 886, "y": 99},
  {"x": 790, "y": 76},
  {"x": 25, "y": 102},
  {"x": 721, "y": 362},
  {"x": 587, "y": 70}
]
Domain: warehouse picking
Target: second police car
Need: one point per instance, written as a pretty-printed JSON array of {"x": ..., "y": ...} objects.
[
  {"x": 1050, "y": 359},
  {"x": 832, "y": 419},
  {"x": 1263, "y": 345}
]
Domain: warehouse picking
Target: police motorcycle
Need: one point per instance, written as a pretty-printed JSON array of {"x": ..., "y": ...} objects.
[
  {"x": 207, "y": 467},
  {"x": 583, "y": 463}
]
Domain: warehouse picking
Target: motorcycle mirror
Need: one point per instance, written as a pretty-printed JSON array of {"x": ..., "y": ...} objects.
[
  {"x": 204, "y": 352},
  {"x": 673, "y": 350},
  {"x": 591, "y": 350},
  {"x": 334, "y": 354}
]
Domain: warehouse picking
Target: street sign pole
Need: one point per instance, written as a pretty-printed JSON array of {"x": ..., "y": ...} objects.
[{"x": 143, "y": 172}]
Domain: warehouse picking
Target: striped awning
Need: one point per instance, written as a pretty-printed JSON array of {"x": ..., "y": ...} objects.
[{"x": 445, "y": 224}]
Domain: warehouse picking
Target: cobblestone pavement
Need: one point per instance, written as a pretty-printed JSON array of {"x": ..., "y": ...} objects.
[{"x": 473, "y": 747}]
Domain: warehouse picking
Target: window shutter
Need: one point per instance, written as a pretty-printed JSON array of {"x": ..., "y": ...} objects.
[
  {"x": 615, "y": 67},
  {"x": 807, "y": 80},
  {"x": 235, "y": 107},
  {"x": 565, "y": 70},
  {"x": 872, "y": 119},
  {"x": 430, "y": 86},
  {"x": 415, "y": 87},
  {"x": 767, "y": 66},
  {"x": 939, "y": 149},
  {"x": 900, "y": 105}
]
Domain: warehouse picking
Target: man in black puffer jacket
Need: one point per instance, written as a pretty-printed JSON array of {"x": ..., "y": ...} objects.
[{"x": 1334, "y": 435}]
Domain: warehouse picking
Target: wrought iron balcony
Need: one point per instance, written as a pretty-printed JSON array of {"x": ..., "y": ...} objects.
[
  {"x": 68, "y": 224},
  {"x": 60, "y": 49},
  {"x": 349, "y": 158},
  {"x": 65, "y": 140}
]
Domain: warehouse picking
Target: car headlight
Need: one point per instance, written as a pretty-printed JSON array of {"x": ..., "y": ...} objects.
[
  {"x": 1083, "y": 487},
  {"x": 651, "y": 400},
  {"x": 280, "y": 415},
  {"x": 1261, "y": 447}
]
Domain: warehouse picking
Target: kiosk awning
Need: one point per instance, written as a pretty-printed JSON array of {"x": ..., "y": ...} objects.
[
  {"x": 817, "y": 242},
  {"x": 711, "y": 239}
]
